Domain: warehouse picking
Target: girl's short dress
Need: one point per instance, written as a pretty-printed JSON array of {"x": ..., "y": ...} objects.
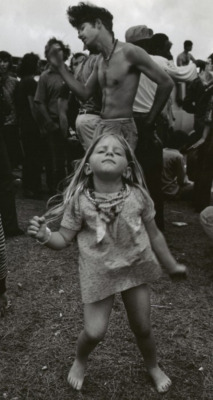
[{"x": 123, "y": 258}]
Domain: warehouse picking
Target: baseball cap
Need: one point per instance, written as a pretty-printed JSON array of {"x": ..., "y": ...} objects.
[{"x": 138, "y": 32}]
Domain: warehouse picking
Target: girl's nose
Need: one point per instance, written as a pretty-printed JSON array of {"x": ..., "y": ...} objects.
[{"x": 109, "y": 152}]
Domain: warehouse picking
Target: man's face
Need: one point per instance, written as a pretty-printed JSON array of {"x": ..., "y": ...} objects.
[
  {"x": 88, "y": 33},
  {"x": 4, "y": 66},
  {"x": 188, "y": 47}
]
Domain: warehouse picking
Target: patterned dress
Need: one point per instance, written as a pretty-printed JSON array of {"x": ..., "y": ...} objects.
[{"x": 115, "y": 254}]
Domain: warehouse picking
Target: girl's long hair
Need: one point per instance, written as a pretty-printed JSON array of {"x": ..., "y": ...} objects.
[{"x": 79, "y": 181}]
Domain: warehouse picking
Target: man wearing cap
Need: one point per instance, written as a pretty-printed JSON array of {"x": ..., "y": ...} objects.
[
  {"x": 149, "y": 148},
  {"x": 117, "y": 71}
]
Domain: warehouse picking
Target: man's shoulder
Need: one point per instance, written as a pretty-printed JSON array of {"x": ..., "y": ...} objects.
[
  {"x": 180, "y": 55},
  {"x": 133, "y": 54},
  {"x": 44, "y": 75},
  {"x": 48, "y": 73}
]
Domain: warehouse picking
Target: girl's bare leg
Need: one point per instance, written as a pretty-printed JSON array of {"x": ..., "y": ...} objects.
[
  {"x": 96, "y": 318},
  {"x": 137, "y": 304}
]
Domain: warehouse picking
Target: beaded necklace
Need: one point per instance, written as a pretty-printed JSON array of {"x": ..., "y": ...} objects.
[{"x": 108, "y": 58}]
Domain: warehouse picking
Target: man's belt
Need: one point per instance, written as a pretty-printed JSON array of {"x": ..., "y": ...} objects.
[{"x": 89, "y": 112}]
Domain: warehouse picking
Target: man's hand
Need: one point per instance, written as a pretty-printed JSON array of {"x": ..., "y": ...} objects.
[
  {"x": 56, "y": 56},
  {"x": 3, "y": 304},
  {"x": 196, "y": 144}
]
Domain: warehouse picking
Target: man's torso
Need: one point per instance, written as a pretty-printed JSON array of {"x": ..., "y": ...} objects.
[{"x": 119, "y": 81}]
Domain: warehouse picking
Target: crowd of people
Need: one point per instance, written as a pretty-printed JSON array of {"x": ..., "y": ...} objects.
[{"x": 110, "y": 109}]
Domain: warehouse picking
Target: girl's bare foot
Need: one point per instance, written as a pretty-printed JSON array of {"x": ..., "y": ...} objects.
[
  {"x": 160, "y": 379},
  {"x": 76, "y": 374}
]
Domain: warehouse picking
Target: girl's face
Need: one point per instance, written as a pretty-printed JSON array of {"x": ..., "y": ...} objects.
[{"x": 108, "y": 159}]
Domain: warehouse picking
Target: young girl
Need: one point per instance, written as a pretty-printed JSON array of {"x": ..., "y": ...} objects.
[{"x": 113, "y": 218}]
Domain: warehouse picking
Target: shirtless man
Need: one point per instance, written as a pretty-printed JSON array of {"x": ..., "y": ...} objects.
[{"x": 117, "y": 71}]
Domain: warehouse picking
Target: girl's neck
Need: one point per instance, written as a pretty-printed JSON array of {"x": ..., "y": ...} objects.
[{"x": 101, "y": 186}]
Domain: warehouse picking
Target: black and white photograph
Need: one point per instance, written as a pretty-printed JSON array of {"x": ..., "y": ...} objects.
[{"x": 106, "y": 200}]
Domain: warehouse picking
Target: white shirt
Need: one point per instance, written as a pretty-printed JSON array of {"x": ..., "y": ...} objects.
[{"x": 146, "y": 89}]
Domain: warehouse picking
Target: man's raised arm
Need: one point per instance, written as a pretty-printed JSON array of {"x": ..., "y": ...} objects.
[{"x": 83, "y": 92}]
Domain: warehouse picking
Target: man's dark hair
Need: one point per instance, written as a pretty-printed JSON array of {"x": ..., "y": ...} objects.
[
  {"x": 64, "y": 48},
  {"x": 28, "y": 65},
  {"x": 157, "y": 42},
  {"x": 187, "y": 43},
  {"x": 86, "y": 12},
  {"x": 4, "y": 55}
]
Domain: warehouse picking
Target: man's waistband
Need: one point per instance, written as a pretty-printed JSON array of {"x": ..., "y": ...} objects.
[
  {"x": 93, "y": 112},
  {"x": 121, "y": 120}
]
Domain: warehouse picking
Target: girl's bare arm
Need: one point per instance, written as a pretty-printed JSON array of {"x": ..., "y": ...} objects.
[
  {"x": 162, "y": 251},
  {"x": 55, "y": 240}
]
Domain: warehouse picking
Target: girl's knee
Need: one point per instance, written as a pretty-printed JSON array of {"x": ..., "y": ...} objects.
[{"x": 95, "y": 334}]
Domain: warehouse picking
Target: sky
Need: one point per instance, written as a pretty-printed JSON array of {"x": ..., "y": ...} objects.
[{"x": 26, "y": 25}]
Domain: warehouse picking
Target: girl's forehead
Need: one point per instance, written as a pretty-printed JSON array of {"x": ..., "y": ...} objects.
[{"x": 106, "y": 140}]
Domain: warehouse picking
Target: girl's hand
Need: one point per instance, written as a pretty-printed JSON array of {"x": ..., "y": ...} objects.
[
  {"x": 179, "y": 272},
  {"x": 38, "y": 228},
  {"x": 3, "y": 304}
]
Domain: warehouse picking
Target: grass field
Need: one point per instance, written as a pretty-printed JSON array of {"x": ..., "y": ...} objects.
[{"x": 39, "y": 332}]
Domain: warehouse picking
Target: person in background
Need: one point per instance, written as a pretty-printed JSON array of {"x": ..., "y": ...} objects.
[
  {"x": 206, "y": 220},
  {"x": 76, "y": 60},
  {"x": 68, "y": 107},
  {"x": 175, "y": 183},
  {"x": 204, "y": 169},
  {"x": 30, "y": 133},
  {"x": 198, "y": 94},
  {"x": 149, "y": 150},
  {"x": 7, "y": 187},
  {"x": 89, "y": 112},
  {"x": 186, "y": 57},
  {"x": 10, "y": 129},
  {"x": 3, "y": 272},
  {"x": 46, "y": 99}
]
